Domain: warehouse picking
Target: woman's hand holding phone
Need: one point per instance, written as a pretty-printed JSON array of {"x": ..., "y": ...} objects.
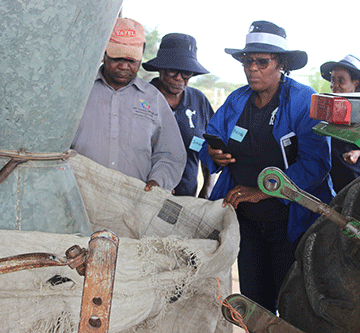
[
  {"x": 218, "y": 150},
  {"x": 219, "y": 157}
]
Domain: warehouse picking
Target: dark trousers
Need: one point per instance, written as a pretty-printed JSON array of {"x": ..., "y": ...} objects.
[{"x": 265, "y": 256}]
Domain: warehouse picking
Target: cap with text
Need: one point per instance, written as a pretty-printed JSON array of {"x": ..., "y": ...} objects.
[{"x": 127, "y": 40}]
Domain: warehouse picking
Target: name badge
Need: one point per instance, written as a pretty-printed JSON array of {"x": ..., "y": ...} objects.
[
  {"x": 238, "y": 133},
  {"x": 196, "y": 143}
]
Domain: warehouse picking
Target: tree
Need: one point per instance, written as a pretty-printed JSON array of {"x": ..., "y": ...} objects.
[
  {"x": 317, "y": 82},
  {"x": 152, "y": 38},
  {"x": 207, "y": 81}
]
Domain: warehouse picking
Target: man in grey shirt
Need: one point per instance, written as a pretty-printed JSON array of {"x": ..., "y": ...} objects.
[{"x": 127, "y": 124}]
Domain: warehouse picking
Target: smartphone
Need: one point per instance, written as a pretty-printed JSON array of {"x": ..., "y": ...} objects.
[{"x": 216, "y": 143}]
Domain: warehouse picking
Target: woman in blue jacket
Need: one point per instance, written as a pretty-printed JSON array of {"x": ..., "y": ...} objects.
[{"x": 267, "y": 123}]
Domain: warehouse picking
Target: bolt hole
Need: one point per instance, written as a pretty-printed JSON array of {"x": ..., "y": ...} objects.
[
  {"x": 97, "y": 301},
  {"x": 241, "y": 308},
  {"x": 271, "y": 182},
  {"x": 95, "y": 321}
]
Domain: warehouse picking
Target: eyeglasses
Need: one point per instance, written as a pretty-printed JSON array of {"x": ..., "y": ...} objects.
[
  {"x": 261, "y": 63},
  {"x": 174, "y": 73}
]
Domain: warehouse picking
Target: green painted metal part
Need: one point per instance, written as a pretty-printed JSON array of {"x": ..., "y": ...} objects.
[
  {"x": 273, "y": 181},
  {"x": 345, "y": 133}
]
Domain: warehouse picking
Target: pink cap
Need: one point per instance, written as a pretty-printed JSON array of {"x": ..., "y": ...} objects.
[{"x": 127, "y": 40}]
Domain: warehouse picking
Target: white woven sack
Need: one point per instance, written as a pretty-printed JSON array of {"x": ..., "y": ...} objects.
[{"x": 171, "y": 251}]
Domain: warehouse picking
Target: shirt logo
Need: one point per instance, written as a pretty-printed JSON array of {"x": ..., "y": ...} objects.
[
  {"x": 272, "y": 118},
  {"x": 189, "y": 114},
  {"x": 144, "y": 105}
]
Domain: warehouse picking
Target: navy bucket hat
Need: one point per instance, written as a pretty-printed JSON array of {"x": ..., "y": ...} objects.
[
  {"x": 349, "y": 62},
  {"x": 267, "y": 37},
  {"x": 177, "y": 51}
]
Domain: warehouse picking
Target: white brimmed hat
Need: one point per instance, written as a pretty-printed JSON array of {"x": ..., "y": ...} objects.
[
  {"x": 267, "y": 37},
  {"x": 349, "y": 62}
]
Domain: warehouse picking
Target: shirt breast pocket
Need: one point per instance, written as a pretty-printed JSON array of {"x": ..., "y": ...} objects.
[{"x": 143, "y": 128}]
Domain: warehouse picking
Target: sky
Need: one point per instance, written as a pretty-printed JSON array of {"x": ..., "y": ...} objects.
[{"x": 326, "y": 30}]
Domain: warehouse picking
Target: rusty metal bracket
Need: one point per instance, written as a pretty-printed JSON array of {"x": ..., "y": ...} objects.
[
  {"x": 99, "y": 282},
  {"x": 97, "y": 264}
]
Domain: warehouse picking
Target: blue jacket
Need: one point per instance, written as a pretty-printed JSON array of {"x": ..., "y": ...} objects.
[{"x": 310, "y": 171}]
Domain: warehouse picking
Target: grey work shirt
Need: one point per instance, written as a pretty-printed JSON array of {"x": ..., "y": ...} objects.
[{"x": 132, "y": 130}]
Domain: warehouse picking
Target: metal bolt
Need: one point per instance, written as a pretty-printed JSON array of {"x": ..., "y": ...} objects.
[{"x": 73, "y": 252}]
